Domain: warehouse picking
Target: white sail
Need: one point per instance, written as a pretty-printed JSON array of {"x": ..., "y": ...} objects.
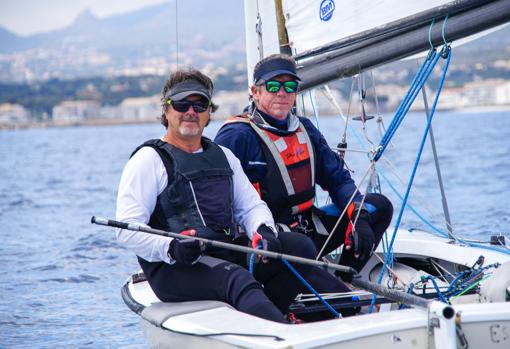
[{"x": 313, "y": 23}]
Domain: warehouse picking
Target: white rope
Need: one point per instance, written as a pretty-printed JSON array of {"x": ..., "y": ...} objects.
[{"x": 370, "y": 169}]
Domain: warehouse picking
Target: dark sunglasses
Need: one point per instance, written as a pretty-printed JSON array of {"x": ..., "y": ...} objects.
[
  {"x": 274, "y": 86},
  {"x": 199, "y": 106}
]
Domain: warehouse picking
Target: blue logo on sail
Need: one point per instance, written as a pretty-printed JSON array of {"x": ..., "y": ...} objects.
[{"x": 326, "y": 10}]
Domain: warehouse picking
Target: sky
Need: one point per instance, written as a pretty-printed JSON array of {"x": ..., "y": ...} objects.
[{"x": 26, "y": 17}]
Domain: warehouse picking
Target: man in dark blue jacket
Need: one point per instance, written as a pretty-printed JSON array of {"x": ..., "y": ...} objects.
[{"x": 285, "y": 156}]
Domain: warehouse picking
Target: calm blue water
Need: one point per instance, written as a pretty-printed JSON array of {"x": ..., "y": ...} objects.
[{"x": 61, "y": 276}]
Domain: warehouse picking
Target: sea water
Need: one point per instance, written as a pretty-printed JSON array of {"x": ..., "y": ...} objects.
[{"x": 60, "y": 276}]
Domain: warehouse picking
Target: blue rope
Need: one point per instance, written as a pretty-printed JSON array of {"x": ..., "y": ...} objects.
[
  {"x": 404, "y": 101},
  {"x": 457, "y": 278},
  {"x": 415, "y": 167},
  {"x": 251, "y": 263},
  {"x": 405, "y": 105},
  {"x": 439, "y": 293},
  {"x": 323, "y": 301},
  {"x": 293, "y": 270},
  {"x": 435, "y": 229},
  {"x": 409, "y": 291}
]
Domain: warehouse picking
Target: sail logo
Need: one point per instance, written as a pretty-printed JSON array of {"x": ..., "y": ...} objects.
[{"x": 326, "y": 10}]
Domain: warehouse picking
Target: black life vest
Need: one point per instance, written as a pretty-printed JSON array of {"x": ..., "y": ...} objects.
[{"x": 199, "y": 194}]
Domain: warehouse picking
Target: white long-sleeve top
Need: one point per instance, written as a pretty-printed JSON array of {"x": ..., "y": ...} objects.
[{"x": 144, "y": 178}]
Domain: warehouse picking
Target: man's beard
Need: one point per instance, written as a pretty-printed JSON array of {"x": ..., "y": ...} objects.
[{"x": 186, "y": 130}]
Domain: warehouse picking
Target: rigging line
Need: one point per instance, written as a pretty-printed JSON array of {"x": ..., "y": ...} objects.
[
  {"x": 440, "y": 273},
  {"x": 361, "y": 143},
  {"x": 363, "y": 116},
  {"x": 329, "y": 95},
  {"x": 469, "y": 288},
  {"x": 443, "y": 30},
  {"x": 423, "y": 73},
  {"x": 344, "y": 117},
  {"x": 436, "y": 230},
  {"x": 439, "y": 266},
  {"x": 311, "y": 289},
  {"x": 390, "y": 270},
  {"x": 480, "y": 244},
  {"x": 430, "y": 33},
  {"x": 176, "y": 35},
  {"x": 369, "y": 170},
  {"x": 258, "y": 30},
  {"x": 376, "y": 98},
  {"x": 424, "y": 137},
  {"x": 314, "y": 111},
  {"x": 406, "y": 96},
  {"x": 377, "y": 109},
  {"x": 503, "y": 249},
  {"x": 417, "y": 196},
  {"x": 402, "y": 112},
  {"x": 352, "y": 150},
  {"x": 391, "y": 131},
  {"x": 302, "y": 96},
  {"x": 444, "y": 200},
  {"x": 417, "y": 161},
  {"x": 344, "y": 136}
]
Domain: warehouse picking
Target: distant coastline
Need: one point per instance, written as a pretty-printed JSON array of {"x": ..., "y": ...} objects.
[
  {"x": 89, "y": 122},
  {"x": 110, "y": 122}
]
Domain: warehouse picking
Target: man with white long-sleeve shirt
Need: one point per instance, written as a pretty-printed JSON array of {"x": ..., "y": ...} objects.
[{"x": 185, "y": 183}]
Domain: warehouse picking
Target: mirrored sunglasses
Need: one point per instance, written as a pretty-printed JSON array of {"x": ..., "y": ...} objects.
[{"x": 274, "y": 86}]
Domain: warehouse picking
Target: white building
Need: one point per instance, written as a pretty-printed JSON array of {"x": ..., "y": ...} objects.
[
  {"x": 451, "y": 98},
  {"x": 231, "y": 103},
  {"x": 13, "y": 114},
  {"x": 488, "y": 92},
  {"x": 140, "y": 108},
  {"x": 389, "y": 96},
  {"x": 76, "y": 110}
]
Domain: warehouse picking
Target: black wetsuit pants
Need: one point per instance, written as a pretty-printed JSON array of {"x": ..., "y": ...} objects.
[
  {"x": 379, "y": 221},
  {"x": 266, "y": 294}
]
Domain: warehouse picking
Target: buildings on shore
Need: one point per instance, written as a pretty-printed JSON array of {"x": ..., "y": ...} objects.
[
  {"x": 13, "y": 114},
  {"x": 485, "y": 93}
]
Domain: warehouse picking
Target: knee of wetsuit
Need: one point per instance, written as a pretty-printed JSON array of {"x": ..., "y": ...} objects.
[
  {"x": 238, "y": 281},
  {"x": 297, "y": 244}
]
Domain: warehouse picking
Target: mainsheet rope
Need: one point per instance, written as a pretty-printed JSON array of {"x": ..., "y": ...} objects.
[
  {"x": 303, "y": 281},
  {"x": 446, "y": 54}
]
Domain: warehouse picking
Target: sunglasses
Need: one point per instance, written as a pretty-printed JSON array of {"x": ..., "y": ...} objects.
[
  {"x": 199, "y": 106},
  {"x": 274, "y": 86}
]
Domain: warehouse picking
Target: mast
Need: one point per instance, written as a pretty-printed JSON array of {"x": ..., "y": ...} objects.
[
  {"x": 261, "y": 28},
  {"x": 399, "y": 39},
  {"x": 283, "y": 38}
]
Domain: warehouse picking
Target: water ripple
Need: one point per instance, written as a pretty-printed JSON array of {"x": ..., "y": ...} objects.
[{"x": 74, "y": 279}]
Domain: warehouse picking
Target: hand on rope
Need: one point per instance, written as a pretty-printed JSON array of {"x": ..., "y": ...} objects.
[
  {"x": 186, "y": 251},
  {"x": 361, "y": 237},
  {"x": 265, "y": 239}
]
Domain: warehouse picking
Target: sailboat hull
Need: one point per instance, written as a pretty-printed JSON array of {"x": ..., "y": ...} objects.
[
  {"x": 483, "y": 326},
  {"x": 200, "y": 324}
]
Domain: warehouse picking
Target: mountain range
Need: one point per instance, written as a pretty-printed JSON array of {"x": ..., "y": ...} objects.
[
  {"x": 197, "y": 32},
  {"x": 209, "y": 23},
  {"x": 150, "y": 39}
]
